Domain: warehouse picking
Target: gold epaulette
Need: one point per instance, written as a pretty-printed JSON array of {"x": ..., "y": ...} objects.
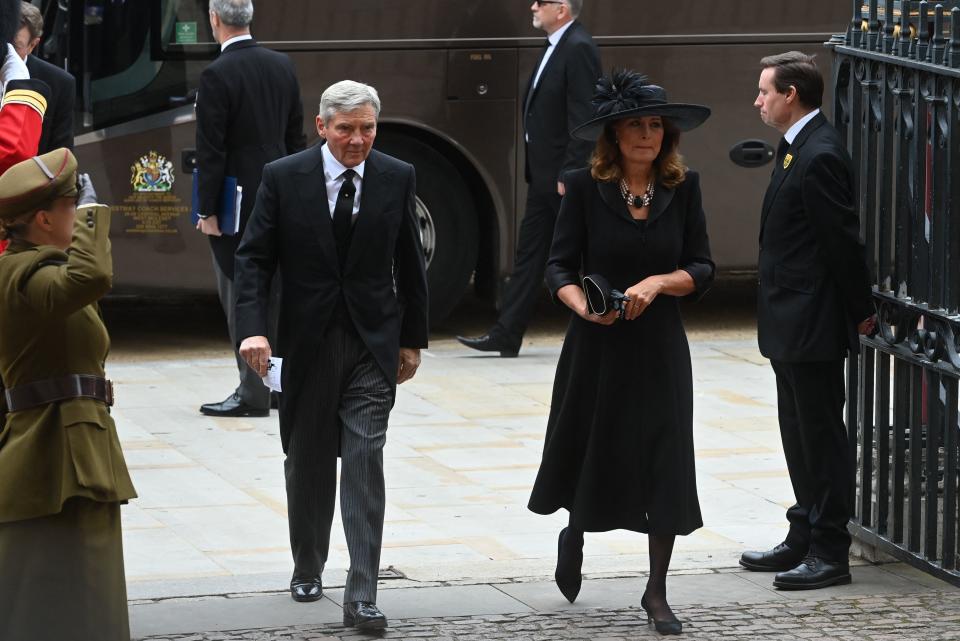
[{"x": 25, "y": 97}]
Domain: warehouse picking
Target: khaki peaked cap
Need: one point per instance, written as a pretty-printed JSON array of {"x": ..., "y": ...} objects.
[{"x": 31, "y": 183}]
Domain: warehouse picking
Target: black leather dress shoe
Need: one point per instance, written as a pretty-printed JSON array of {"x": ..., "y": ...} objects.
[
  {"x": 779, "y": 559},
  {"x": 490, "y": 343},
  {"x": 569, "y": 563},
  {"x": 363, "y": 616},
  {"x": 812, "y": 574},
  {"x": 305, "y": 590},
  {"x": 233, "y": 406}
]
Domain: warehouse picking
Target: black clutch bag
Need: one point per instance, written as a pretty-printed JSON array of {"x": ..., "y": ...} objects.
[{"x": 601, "y": 298}]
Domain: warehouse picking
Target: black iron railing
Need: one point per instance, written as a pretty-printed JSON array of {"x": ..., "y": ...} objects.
[{"x": 897, "y": 103}]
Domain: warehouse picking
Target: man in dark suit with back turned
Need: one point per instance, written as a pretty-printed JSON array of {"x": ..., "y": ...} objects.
[
  {"x": 814, "y": 301},
  {"x": 248, "y": 114},
  {"x": 339, "y": 220},
  {"x": 58, "y": 123},
  {"x": 557, "y": 100}
]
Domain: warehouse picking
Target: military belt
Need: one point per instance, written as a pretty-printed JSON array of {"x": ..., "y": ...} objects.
[{"x": 51, "y": 390}]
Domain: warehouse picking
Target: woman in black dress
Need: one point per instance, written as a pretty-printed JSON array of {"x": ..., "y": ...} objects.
[{"x": 619, "y": 446}]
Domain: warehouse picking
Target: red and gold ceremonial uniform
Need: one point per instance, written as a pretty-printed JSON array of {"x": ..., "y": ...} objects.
[{"x": 21, "y": 121}]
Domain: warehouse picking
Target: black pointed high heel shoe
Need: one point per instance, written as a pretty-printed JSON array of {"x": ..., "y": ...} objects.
[
  {"x": 663, "y": 626},
  {"x": 569, "y": 563}
]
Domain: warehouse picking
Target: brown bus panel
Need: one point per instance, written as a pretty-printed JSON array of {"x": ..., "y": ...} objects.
[{"x": 410, "y": 20}]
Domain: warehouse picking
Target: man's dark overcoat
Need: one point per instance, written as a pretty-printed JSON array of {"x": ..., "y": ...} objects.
[
  {"x": 619, "y": 445},
  {"x": 814, "y": 285},
  {"x": 383, "y": 282},
  {"x": 58, "y": 120},
  {"x": 560, "y": 102},
  {"x": 249, "y": 113}
]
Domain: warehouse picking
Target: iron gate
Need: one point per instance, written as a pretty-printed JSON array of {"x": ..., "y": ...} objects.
[{"x": 897, "y": 104}]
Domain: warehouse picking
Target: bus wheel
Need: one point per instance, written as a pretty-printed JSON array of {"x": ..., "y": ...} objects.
[{"x": 447, "y": 217}]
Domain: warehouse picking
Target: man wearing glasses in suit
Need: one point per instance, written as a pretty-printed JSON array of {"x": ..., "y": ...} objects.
[{"x": 557, "y": 100}]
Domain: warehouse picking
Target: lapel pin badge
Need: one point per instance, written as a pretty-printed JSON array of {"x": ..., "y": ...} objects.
[{"x": 787, "y": 160}]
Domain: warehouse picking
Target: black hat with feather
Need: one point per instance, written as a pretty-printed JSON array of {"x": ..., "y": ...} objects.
[
  {"x": 9, "y": 20},
  {"x": 628, "y": 94}
]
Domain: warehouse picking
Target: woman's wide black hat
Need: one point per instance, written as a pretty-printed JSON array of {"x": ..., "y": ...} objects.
[{"x": 628, "y": 94}]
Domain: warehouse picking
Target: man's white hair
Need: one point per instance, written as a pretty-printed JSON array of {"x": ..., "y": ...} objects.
[
  {"x": 346, "y": 96},
  {"x": 233, "y": 13}
]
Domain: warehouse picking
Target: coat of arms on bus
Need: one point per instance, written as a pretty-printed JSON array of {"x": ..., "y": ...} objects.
[{"x": 152, "y": 173}]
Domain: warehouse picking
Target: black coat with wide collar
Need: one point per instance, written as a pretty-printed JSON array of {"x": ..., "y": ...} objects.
[
  {"x": 596, "y": 234},
  {"x": 814, "y": 280},
  {"x": 249, "y": 113},
  {"x": 383, "y": 281}
]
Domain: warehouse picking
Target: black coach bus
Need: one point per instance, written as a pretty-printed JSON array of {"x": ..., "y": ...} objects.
[{"x": 451, "y": 74}]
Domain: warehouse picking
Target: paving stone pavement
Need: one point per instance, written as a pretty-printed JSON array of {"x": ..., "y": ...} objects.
[
  {"x": 206, "y": 544},
  {"x": 464, "y": 446},
  {"x": 925, "y": 616}
]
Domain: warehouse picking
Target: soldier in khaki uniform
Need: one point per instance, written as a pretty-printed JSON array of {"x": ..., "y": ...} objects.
[{"x": 62, "y": 472}]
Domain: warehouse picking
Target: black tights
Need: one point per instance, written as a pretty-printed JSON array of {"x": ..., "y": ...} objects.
[{"x": 660, "y": 547}]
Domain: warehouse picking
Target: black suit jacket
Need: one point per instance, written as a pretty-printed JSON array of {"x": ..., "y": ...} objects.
[
  {"x": 249, "y": 113},
  {"x": 814, "y": 281},
  {"x": 560, "y": 102},
  {"x": 58, "y": 121},
  {"x": 383, "y": 282}
]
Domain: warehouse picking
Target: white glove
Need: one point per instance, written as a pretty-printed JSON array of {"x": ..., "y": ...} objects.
[{"x": 14, "y": 68}]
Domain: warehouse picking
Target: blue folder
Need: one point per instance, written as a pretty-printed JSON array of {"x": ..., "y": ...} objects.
[{"x": 228, "y": 218}]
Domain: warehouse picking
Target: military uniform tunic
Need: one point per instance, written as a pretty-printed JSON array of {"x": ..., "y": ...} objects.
[{"x": 62, "y": 472}]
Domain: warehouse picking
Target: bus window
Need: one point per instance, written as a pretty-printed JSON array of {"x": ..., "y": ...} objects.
[
  {"x": 184, "y": 30},
  {"x": 116, "y": 50}
]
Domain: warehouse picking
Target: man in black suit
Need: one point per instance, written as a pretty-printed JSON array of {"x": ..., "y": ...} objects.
[
  {"x": 248, "y": 114},
  {"x": 814, "y": 301},
  {"x": 339, "y": 220},
  {"x": 58, "y": 123},
  {"x": 557, "y": 100}
]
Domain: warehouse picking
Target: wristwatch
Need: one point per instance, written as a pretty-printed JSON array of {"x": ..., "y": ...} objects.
[{"x": 203, "y": 216}]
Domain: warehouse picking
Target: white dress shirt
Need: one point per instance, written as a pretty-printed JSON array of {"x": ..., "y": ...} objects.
[
  {"x": 333, "y": 177},
  {"x": 554, "y": 38},
  {"x": 229, "y": 42},
  {"x": 797, "y": 126}
]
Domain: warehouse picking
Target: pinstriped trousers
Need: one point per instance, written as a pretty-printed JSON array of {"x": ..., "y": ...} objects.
[{"x": 353, "y": 404}]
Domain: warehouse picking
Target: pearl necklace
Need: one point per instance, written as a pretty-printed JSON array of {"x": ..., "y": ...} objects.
[{"x": 643, "y": 200}]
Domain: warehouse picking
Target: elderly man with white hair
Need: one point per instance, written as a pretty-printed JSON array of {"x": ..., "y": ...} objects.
[{"x": 339, "y": 222}]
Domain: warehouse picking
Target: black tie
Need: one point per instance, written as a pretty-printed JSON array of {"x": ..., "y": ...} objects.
[
  {"x": 782, "y": 151},
  {"x": 343, "y": 213}
]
